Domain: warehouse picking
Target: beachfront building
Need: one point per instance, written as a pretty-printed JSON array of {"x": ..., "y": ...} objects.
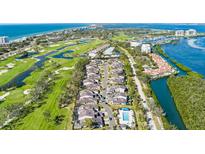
[
  {"x": 191, "y": 32},
  {"x": 4, "y": 40},
  {"x": 146, "y": 48},
  {"x": 135, "y": 43},
  {"x": 179, "y": 33},
  {"x": 126, "y": 118}
]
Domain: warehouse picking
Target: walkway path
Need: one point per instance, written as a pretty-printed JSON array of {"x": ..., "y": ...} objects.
[{"x": 151, "y": 122}]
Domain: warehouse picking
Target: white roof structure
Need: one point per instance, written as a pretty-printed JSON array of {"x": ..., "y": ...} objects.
[
  {"x": 109, "y": 51},
  {"x": 146, "y": 48}
]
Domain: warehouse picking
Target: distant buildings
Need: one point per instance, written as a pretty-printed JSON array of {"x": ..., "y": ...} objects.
[
  {"x": 4, "y": 40},
  {"x": 190, "y": 32},
  {"x": 146, "y": 48},
  {"x": 135, "y": 43},
  {"x": 93, "y": 53},
  {"x": 179, "y": 33}
]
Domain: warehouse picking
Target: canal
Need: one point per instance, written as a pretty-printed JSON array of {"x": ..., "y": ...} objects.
[{"x": 189, "y": 52}]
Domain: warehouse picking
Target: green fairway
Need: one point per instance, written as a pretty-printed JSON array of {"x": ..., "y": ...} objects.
[
  {"x": 36, "y": 120},
  {"x": 19, "y": 67},
  {"x": 121, "y": 37}
]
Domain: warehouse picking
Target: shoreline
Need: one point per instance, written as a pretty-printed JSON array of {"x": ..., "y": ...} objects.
[{"x": 20, "y": 38}]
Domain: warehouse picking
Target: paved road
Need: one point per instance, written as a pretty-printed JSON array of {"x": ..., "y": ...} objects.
[
  {"x": 107, "y": 108},
  {"x": 151, "y": 122}
]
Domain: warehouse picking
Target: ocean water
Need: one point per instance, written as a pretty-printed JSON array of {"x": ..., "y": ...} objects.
[
  {"x": 190, "y": 52},
  {"x": 168, "y": 26},
  {"x": 16, "y": 31}
]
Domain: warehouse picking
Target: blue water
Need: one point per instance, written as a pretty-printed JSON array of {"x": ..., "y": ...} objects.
[
  {"x": 189, "y": 55},
  {"x": 125, "y": 116},
  {"x": 16, "y": 31},
  {"x": 62, "y": 55},
  {"x": 182, "y": 52},
  {"x": 166, "y": 100}
]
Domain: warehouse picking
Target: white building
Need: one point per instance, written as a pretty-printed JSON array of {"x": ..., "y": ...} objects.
[
  {"x": 135, "y": 44},
  {"x": 109, "y": 51},
  {"x": 191, "y": 32},
  {"x": 4, "y": 40},
  {"x": 146, "y": 48},
  {"x": 179, "y": 33}
]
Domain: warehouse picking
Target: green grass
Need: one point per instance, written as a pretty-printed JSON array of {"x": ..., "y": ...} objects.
[
  {"x": 36, "y": 120},
  {"x": 121, "y": 37}
]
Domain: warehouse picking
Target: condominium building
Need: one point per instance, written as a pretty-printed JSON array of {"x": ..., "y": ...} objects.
[
  {"x": 179, "y": 33},
  {"x": 4, "y": 40},
  {"x": 191, "y": 32}
]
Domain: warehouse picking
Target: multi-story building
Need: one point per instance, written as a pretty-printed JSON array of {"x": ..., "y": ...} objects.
[
  {"x": 179, "y": 33},
  {"x": 4, "y": 40},
  {"x": 191, "y": 32},
  {"x": 135, "y": 43},
  {"x": 146, "y": 48}
]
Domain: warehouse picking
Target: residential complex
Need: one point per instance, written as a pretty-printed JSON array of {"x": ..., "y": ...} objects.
[
  {"x": 163, "y": 67},
  {"x": 188, "y": 33}
]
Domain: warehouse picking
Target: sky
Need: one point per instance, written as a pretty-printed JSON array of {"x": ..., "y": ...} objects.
[{"x": 107, "y": 11}]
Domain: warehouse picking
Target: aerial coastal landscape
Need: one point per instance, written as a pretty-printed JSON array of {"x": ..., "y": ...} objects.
[{"x": 102, "y": 76}]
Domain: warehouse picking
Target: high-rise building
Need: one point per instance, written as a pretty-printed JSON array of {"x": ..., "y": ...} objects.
[
  {"x": 179, "y": 33},
  {"x": 4, "y": 40},
  {"x": 191, "y": 32}
]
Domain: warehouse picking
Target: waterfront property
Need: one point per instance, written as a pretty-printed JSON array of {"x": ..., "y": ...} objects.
[
  {"x": 179, "y": 33},
  {"x": 4, "y": 40},
  {"x": 163, "y": 68}
]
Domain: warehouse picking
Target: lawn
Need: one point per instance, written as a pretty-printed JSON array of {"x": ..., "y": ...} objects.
[{"x": 121, "y": 37}]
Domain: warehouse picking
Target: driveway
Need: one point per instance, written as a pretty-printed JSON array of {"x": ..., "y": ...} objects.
[{"x": 103, "y": 102}]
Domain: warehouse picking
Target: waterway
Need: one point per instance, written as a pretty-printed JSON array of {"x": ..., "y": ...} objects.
[{"x": 189, "y": 52}]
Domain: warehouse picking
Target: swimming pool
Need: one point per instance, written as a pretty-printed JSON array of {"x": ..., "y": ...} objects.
[{"x": 125, "y": 116}]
